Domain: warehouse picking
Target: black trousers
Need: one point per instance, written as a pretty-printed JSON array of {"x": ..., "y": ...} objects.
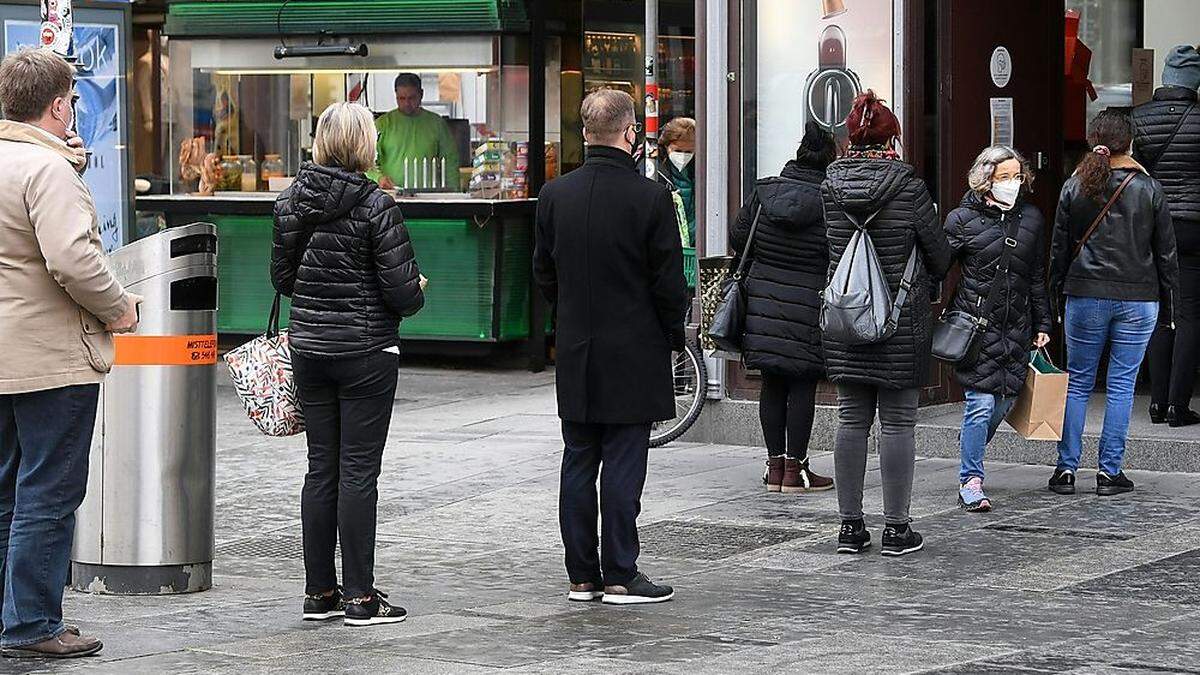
[
  {"x": 786, "y": 406},
  {"x": 622, "y": 449},
  {"x": 1174, "y": 355},
  {"x": 347, "y": 407}
]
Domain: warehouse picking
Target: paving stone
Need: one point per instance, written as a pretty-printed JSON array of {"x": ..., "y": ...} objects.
[{"x": 469, "y": 544}]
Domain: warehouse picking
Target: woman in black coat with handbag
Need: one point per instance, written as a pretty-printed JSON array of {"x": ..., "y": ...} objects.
[
  {"x": 999, "y": 239},
  {"x": 788, "y": 258}
]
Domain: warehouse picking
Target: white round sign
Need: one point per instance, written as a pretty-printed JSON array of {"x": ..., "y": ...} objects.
[{"x": 1001, "y": 67}]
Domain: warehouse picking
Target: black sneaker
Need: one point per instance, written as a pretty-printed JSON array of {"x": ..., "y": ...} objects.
[
  {"x": 1107, "y": 485},
  {"x": 324, "y": 607},
  {"x": 639, "y": 591},
  {"x": 897, "y": 543},
  {"x": 373, "y": 611},
  {"x": 854, "y": 538},
  {"x": 1063, "y": 482}
]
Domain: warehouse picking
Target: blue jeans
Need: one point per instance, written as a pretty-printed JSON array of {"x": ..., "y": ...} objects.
[
  {"x": 981, "y": 418},
  {"x": 45, "y": 438},
  {"x": 1124, "y": 326}
]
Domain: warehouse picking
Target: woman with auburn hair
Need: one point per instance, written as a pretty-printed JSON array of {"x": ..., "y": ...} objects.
[{"x": 1113, "y": 273}]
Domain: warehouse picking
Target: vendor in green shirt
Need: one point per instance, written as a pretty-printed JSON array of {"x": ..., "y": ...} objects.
[{"x": 411, "y": 132}]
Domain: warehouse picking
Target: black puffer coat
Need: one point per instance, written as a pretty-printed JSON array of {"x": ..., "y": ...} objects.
[
  {"x": 343, "y": 255},
  {"x": 1176, "y": 167},
  {"x": 906, "y": 219},
  {"x": 977, "y": 232},
  {"x": 787, "y": 273}
]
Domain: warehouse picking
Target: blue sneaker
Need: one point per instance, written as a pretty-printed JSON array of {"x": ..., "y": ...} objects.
[{"x": 972, "y": 498}]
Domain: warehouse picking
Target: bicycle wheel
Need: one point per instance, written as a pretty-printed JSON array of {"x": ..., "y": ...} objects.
[{"x": 691, "y": 384}]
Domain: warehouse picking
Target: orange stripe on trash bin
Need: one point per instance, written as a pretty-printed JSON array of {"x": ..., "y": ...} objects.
[{"x": 165, "y": 350}]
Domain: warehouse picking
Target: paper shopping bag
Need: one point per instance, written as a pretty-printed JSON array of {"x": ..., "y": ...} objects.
[{"x": 1038, "y": 412}]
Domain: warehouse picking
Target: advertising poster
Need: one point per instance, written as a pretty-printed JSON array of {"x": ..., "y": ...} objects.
[
  {"x": 811, "y": 66},
  {"x": 99, "y": 114}
]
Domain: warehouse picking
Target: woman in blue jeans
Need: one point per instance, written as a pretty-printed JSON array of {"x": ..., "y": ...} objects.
[
  {"x": 1113, "y": 263},
  {"x": 998, "y": 239}
]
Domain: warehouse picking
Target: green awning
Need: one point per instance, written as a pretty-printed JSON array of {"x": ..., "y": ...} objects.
[{"x": 258, "y": 18}]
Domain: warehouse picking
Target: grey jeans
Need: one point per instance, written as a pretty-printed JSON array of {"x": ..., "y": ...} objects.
[{"x": 857, "y": 405}]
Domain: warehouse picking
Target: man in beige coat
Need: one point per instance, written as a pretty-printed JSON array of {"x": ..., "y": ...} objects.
[{"x": 59, "y": 306}]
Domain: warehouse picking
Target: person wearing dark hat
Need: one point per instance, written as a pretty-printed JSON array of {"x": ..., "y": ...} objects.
[
  {"x": 783, "y": 301},
  {"x": 874, "y": 189},
  {"x": 1167, "y": 143}
]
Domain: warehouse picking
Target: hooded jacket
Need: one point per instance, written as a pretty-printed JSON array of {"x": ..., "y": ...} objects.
[
  {"x": 56, "y": 290},
  {"x": 1175, "y": 166},
  {"x": 977, "y": 231},
  {"x": 343, "y": 255},
  {"x": 788, "y": 260},
  {"x": 906, "y": 219},
  {"x": 1131, "y": 254}
]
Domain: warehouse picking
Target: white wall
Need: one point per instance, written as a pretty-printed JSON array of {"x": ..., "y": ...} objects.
[{"x": 1169, "y": 23}]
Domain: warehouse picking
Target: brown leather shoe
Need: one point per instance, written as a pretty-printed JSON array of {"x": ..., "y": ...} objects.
[
  {"x": 72, "y": 628},
  {"x": 585, "y": 592},
  {"x": 773, "y": 476},
  {"x": 797, "y": 477},
  {"x": 65, "y": 646}
]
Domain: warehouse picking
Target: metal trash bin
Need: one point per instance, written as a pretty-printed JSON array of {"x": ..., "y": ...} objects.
[{"x": 146, "y": 525}]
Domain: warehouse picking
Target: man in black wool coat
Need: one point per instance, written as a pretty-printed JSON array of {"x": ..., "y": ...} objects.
[{"x": 609, "y": 257}]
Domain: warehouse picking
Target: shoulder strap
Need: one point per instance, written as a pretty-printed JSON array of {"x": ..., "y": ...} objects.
[
  {"x": 906, "y": 282},
  {"x": 1103, "y": 212},
  {"x": 1163, "y": 150},
  {"x": 749, "y": 243},
  {"x": 1010, "y": 244}
]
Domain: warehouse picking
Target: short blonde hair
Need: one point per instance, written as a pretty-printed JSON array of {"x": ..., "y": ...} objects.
[
  {"x": 606, "y": 113},
  {"x": 979, "y": 178},
  {"x": 678, "y": 129},
  {"x": 30, "y": 80},
  {"x": 346, "y": 138}
]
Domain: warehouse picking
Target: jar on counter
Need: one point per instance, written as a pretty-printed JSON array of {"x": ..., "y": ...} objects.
[
  {"x": 249, "y": 173},
  {"x": 273, "y": 167},
  {"x": 231, "y": 174}
]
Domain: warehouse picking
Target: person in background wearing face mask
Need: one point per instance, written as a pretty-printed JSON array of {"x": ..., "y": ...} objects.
[
  {"x": 608, "y": 257},
  {"x": 677, "y": 168},
  {"x": 59, "y": 306},
  {"x": 993, "y": 216}
]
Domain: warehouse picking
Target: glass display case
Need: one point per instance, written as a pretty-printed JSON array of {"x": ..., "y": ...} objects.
[
  {"x": 615, "y": 60},
  {"x": 242, "y": 121}
]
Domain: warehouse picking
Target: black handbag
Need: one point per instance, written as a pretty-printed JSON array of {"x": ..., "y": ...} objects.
[
  {"x": 728, "y": 326},
  {"x": 957, "y": 334}
]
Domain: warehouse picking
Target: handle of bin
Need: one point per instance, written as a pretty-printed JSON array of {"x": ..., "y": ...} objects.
[{"x": 273, "y": 318}]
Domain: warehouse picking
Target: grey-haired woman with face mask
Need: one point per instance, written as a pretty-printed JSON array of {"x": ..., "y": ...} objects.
[{"x": 994, "y": 216}]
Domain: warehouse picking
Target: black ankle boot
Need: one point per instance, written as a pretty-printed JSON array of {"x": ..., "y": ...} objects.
[{"x": 1182, "y": 417}]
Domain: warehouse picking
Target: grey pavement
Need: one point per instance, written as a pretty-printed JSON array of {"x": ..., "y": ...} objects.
[{"x": 468, "y": 542}]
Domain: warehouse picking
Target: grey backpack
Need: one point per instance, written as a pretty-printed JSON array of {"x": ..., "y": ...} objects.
[{"x": 857, "y": 307}]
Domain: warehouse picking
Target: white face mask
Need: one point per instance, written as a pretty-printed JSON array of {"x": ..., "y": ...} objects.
[
  {"x": 1005, "y": 193},
  {"x": 680, "y": 159}
]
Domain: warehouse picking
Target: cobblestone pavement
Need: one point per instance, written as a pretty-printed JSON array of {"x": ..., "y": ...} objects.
[{"x": 468, "y": 542}]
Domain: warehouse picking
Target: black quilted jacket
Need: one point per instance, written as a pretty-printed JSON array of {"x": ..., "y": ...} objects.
[
  {"x": 976, "y": 231},
  {"x": 906, "y": 219},
  {"x": 787, "y": 273},
  {"x": 342, "y": 254},
  {"x": 1177, "y": 167}
]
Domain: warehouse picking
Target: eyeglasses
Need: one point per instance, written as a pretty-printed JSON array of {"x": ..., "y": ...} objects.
[{"x": 1020, "y": 178}]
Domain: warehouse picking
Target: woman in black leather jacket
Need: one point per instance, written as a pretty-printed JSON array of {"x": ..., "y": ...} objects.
[
  {"x": 995, "y": 217},
  {"x": 1113, "y": 274},
  {"x": 343, "y": 254}
]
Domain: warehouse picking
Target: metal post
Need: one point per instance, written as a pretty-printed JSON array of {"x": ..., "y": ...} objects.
[
  {"x": 651, "y": 48},
  {"x": 715, "y": 127},
  {"x": 536, "y": 173}
]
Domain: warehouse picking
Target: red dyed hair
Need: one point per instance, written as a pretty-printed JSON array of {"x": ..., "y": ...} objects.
[{"x": 871, "y": 122}]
